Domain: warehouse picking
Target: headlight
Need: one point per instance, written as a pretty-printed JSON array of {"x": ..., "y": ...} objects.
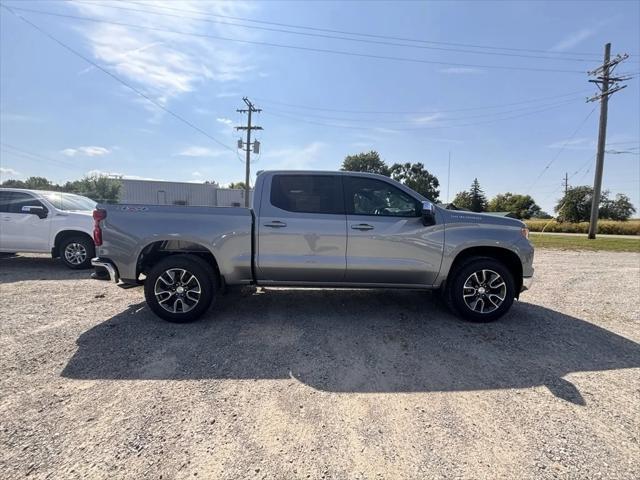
[{"x": 525, "y": 232}]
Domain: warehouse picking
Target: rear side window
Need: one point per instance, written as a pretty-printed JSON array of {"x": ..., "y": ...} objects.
[{"x": 307, "y": 193}]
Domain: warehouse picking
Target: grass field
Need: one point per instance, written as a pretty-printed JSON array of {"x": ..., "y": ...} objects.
[
  {"x": 579, "y": 242},
  {"x": 609, "y": 227}
]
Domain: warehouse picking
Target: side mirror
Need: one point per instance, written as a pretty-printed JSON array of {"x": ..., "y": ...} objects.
[
  {"x": 38, "y": 210},
  {"x": 428, "y": 213}
]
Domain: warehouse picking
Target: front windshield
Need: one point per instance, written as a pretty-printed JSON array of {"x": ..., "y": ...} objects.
[{"x": 70, "y": 202}]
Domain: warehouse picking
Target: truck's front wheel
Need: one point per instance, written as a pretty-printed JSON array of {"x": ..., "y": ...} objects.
[
  {"x": 481, "y": 290},
  {"x": 180, "y": 288}
]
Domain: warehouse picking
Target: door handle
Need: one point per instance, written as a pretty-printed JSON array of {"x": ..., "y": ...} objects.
[
  {"x": 362, "y": 226},
  {"x": 275, "y": 224}
]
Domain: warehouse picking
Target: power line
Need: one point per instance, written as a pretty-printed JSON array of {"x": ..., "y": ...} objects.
[
  {"x": 8, "y": 148},
  {"x": 336, "y": 37},
  {"x": 123, "y": 82},
  {"x": 356, "y": 127},
  {"x": 298, "y": 47},
  {"x": 417, "y": 112},
  {"x": 555, "y": 157},
  {"x": 413, "y": 121},
  {"x": 364, "y": 34}
]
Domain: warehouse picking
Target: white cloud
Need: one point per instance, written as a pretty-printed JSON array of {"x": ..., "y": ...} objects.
[
  {"x": 165, "y": 64},
  {"x": 88, "y": 151},
  {"x": 573, "y": 39},
  {"x": 196, "y": 174},
  {"x": 574, "y": 144},
  {"x": 6, "y": 171},
  {"x": 295, "y": 158},
  {"x": 102, "y": 173},
  {"x": 226, "y": 121},
  {"x": 227, "y": 95},
  {"x": 195, "y": 151},
  {"x": 424, "y": 119},
  {"x": 18, "y": 117},
  {"x": 460, "y": 70}
]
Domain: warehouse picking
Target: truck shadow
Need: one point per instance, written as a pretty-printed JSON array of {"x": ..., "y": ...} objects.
[
  {"x": 353, "y": 341},
  {"x": 19, "y": 268}
]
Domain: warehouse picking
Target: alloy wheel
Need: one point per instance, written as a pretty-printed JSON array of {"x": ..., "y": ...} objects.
[
  {"x": 177, "y": 290},
  {"x": 484, "y": 291},
  {"x": 75, "y": 253}
]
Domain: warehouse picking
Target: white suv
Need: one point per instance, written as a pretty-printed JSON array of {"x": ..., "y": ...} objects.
[{"x": 47, "y": 222}]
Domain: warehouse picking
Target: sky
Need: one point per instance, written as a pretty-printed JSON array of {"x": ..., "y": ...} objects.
[{"x": 149, "y": 89}]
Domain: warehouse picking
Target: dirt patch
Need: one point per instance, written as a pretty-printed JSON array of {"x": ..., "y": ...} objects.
[{"x": 322, "y": 383}]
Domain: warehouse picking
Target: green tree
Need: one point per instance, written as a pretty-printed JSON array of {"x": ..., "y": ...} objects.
[
  {"x": 11, "y": 183},
  {"x": 541, "y": 214},
  {"x": 478, "y": 199},
  {"x": 521, "y": 206},
  {"x": 575, "y": 205},
  {"x": 618, "y": 209},
  {"x": 417, "y": 178},
  {"x": 462, "y": 200},
  {"x": 100, "y": 188},
  {"x": 369, "y": 162},
  {"x": 39, "y": 183},
  {"x": 238, "y": 185}
]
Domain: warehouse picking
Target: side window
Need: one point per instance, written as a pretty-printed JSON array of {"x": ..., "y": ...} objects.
[
  {"x": 307, "y": 193},
  {"x": 20, "y": 199},
  {"x": 368, "y": 196},
  {"x": 5, "y": 199}
]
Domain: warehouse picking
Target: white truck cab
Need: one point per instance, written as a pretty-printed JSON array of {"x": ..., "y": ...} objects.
[{"x": 47, "y": 222}]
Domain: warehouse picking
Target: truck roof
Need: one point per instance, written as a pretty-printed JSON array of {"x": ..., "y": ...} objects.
[{"x": 311, "y": 172}]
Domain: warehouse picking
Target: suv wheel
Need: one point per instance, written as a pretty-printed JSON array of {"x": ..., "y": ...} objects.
[
  {"x": 180, "y": 288},
  {"x": 77, "y": 251},
  {"x": 481, "y": 290}
]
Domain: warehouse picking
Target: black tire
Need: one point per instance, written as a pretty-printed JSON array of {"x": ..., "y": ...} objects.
[
  {"x": 76, "y": 252},
  {"x": 155, "y": 288},
  {"x": 489, "y": 296}
]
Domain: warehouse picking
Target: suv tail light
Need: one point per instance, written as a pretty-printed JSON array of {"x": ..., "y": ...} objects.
[{"x": 98, "y": 215}]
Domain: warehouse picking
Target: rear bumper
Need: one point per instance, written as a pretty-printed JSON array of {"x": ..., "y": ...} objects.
[
  {"x": 108, "y": 266},
  {"x": 526, "y": 283}
]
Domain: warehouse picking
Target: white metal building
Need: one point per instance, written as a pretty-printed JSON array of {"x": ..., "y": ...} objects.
[{"x": 156, "y": 192}]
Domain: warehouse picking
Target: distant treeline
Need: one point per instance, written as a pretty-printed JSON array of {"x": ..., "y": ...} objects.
[{"x": 97, "y": 187}]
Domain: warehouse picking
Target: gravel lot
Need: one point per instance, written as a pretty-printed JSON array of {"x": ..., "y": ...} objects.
[{"x": 322, "y": 384}]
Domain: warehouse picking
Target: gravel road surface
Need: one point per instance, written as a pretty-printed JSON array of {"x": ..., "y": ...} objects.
[{"x": 287, "y": 384}]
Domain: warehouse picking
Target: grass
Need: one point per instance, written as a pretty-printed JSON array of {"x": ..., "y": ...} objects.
[{"x": 579, "y": 242}]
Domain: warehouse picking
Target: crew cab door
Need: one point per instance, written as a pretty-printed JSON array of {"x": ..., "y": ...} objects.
[
  {"x": 387, "y": 241},
  {"x": 24, "y": 229},
  {"x": 301, "y": 229}
]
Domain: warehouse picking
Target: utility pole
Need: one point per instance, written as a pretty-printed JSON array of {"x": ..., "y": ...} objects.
[
  {"x": 448, "y": 176},
  {"x": 608, "y": 85},
  {"x": 255, "y": 146},
  {"x": 566, "y": 183}
]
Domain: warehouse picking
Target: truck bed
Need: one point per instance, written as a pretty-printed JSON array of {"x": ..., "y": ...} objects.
[{"x": 225, "y": 231}]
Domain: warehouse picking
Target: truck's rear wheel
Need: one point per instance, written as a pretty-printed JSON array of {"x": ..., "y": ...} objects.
[
  {"x": 481, "y": 290},
  {"x": 180, "y": 288}
]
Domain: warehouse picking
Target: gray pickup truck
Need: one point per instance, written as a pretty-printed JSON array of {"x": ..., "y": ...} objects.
[{"x": 315, "y": 229}]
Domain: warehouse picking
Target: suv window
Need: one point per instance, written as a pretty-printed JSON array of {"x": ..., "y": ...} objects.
[
  {"x": 70, "y": 202},
  {"x": 307, "y": 193},
  {"x": 368, "y": 196},
  {"x": 21, "y": 199},
  {"x": 5, "y": 199}
]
